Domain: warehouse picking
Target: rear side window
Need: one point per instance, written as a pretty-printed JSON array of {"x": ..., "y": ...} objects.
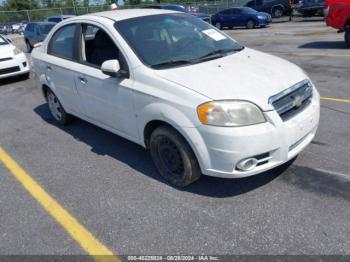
[
  {"x": 227, "y": 12},
  {"x": 62, "y": 42},
  {"x": 29, "y": 27},
  {"x": 54, "y": 19}
]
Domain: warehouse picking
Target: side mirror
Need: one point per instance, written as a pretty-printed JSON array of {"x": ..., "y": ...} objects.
[{"x": 111, "y": 68}]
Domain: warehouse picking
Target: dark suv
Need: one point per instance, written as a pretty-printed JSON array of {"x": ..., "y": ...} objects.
[
  {"x": 311, "y": 7},
  {"x": 36, "y": 32},
  {"x": 276, "y": 8}
]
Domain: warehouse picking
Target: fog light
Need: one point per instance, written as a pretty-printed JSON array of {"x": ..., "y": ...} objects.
[{"x": 247, "y": 164}]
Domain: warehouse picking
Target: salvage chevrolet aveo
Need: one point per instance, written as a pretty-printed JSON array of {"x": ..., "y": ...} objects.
[{"x": 198, "y": 100}]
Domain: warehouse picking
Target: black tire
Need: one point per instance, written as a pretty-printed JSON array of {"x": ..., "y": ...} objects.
[
  {"x": 173, "y": 157},
  {"x": 250, "y": 24},
  {"x": 29, "y": 46},
  {"x": 347, "y": 36},
  {"x": 218, "y": 25},
  {"x": 277, "y": 12},
  {"x": 56, "y": 109}
]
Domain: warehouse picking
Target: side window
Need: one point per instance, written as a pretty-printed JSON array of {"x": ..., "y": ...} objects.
[
  {"x": 251, "y": 4},
  {"x": 235, "y": 11},
  {"x": 98, "y": 47},
  {"x": 226, "y": 12},
  {"x": 259, "y": 2},
  {"x": 62, "y": 42},
  {"x": 30, "y": 27}
]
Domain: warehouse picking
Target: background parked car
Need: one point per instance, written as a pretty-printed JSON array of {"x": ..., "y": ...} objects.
[
  {"x": 5, "y": 30},
  {"x": 276, "y": 8},
  {"x": 338, "y": 16},
  {"x": 179, "y": 8},
  {"x": 240, "y": 17},
  {"x": 58, "y": 18},
  {"x": 36, "y": 32},
  {"x": 311, "y": 7},
  {"x": 13, "y": 61}
]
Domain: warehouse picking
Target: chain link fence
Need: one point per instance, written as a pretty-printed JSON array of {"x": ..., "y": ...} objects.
[{"x": 12, "y": 17}]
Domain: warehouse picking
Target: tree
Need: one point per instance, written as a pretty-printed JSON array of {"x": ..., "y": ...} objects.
[{"x": 17, "y": 5}]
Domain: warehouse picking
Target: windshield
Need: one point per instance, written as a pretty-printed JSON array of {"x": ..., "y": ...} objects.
[
  {"x": 170, "y": 40},
  {"x": 3, "y": 41},
  {"x": 45, "y": 28}
]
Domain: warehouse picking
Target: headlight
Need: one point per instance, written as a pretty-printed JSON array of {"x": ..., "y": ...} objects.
[
  {"x": 230, "y": 113},
  {"x": 261, "y": 17},
  {"x": 16, "y": 51}
]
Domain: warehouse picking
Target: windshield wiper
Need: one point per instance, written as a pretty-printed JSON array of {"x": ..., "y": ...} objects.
[
  {"x": 172, "y": 63},
  {"x": 218, "y": 53}
]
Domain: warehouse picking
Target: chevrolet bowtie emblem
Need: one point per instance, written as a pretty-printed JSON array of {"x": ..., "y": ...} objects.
[{"x": 298, "y": 101}]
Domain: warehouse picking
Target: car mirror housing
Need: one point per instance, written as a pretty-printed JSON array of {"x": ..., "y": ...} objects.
[{"x": 111, "y": 68}]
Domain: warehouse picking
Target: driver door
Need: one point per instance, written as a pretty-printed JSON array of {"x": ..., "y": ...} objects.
[{"x": 106, "y": 100}]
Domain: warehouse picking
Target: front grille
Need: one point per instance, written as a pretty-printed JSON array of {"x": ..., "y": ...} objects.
[
  {"x": 9, "y": 70},
  {"x": 293, "y": 100},
  {"x": 5, "y": 59}
]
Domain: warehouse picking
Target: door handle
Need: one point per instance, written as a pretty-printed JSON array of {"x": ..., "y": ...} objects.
[
  {"x": 49, "y": 68},
  {"x": 82, "y": 80}
]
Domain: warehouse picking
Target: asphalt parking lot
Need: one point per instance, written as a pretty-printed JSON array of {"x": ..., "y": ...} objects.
[{"x": 111, "y": 188}]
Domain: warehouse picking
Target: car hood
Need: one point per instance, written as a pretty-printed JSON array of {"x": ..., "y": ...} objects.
[
  {"x": 6, "y": 51},
  {"x": 246, "y": 75}
]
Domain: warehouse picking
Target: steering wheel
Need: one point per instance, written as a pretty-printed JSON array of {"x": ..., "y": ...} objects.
[{"x": 184, "y": 42}]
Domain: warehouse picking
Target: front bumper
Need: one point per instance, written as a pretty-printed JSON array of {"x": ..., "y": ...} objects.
[
  {"x": 275, "y": 141},
  {"x": 17, "y": 65}
]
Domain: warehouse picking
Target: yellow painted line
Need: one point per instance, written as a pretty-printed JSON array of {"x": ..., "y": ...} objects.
[
  {"x": 78, "y": 232},
  {"x": 310, "y": 54},
  {"x": 341, "y": 100}
]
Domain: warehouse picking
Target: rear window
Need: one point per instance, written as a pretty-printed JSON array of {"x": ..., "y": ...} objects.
[{"x": 45, "y": 28}]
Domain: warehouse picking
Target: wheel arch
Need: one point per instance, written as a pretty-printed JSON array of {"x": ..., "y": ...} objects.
[{"x": 157, "y": 115}]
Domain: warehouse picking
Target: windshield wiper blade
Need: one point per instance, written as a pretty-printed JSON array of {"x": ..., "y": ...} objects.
[
  {"x": 172, "y": 63},
  {"x": 219, "y": 53}
]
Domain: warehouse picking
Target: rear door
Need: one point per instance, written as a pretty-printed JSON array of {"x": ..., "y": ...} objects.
[{"x": 60, "y": 65}]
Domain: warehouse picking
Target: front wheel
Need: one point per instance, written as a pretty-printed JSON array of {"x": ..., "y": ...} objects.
[
  {"x": 56, "y": 109},
  {"x": 250, "y": 24},
  {"x": 173, "y": 157},
  {"x": 347, "y": 36}
]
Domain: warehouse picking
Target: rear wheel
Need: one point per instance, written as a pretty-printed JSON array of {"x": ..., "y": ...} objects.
[
  {"x": 347, "y": 36},
  {"x": 173, "y": 157},
  {"x": 277, "y": 12},
  {"x": 56, "y": 109},
  {"x": 250, "y": 24},
  {"x": 218, "y": 25}
]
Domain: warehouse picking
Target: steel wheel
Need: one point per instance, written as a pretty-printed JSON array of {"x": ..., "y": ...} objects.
[
  {"x": 173, "y": 157},
  {"x": 170, "y": 156}
]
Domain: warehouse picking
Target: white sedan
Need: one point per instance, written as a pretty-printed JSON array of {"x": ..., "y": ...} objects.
[
  {"x": 13, "y": 61},
  {"x": 201, "y": 102}
]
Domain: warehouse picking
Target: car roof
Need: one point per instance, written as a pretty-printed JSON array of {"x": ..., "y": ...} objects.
[{"x": 118, "y": 15}]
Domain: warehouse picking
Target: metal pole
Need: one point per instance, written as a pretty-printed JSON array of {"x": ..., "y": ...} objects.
[{"x": 28, "y": 16}]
